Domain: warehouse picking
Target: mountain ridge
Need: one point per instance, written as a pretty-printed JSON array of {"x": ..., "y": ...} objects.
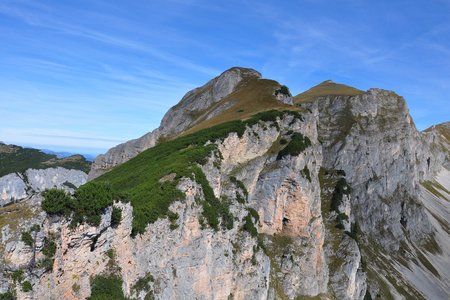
[
  {"x": 192, "y": 108},
  {"x": 214, "y": 99},
  {"x": 338, "y": 197},
  {"x": 17, "y": 159}
]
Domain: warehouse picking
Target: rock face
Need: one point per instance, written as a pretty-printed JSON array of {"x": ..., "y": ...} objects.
[
  {"x": 18, "y": 186},
  {"x": 372, "y": 138},
  {"x": 12, "y": 187},
  {"x": 359, "y": 209},
  {"x": 179, "y": 118}
]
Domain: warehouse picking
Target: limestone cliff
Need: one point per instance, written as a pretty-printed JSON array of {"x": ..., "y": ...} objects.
[{"x": 387, "y": 162}]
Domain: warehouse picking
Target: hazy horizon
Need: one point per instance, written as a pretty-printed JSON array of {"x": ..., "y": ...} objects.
[{"x": 92, "y": 152}]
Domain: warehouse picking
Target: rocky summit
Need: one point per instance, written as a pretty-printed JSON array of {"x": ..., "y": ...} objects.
[{"x": 244, "y": 192}]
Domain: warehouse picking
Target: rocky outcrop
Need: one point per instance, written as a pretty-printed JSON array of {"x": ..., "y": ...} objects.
[
  {"x": 372, "y": 138},
  {"x": 349, "y": 280},
  {"x": 18, "y": 186},
  {"x": 12, "y": 187},
  {"x": 437, "y": 138}
]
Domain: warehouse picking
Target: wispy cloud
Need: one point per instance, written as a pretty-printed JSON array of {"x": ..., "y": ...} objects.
[
  {"x": 49, "y": 22},
  {"x": 82, "y": 138},
  {"x": 50, "y": 136}
]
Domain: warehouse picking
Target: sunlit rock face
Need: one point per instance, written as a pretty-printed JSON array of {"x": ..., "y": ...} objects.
[{"x": 18, "y": 186}]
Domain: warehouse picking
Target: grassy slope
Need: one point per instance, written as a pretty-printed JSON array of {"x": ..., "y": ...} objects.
[
  {"x": 252, "y": 96},
  {"x": 18, "y": 159},
  {"x": 326, "y": 88}
]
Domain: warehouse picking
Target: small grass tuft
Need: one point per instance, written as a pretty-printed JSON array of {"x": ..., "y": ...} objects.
[{"x": 27, "y": 287}]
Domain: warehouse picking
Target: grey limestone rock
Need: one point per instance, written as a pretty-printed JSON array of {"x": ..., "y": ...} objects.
[
  {"x": 16, "y": 187},
  {"x": 12, "y": 187}
]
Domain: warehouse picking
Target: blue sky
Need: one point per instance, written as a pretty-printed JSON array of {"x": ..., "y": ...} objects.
[{"x": 86, "y": 75}]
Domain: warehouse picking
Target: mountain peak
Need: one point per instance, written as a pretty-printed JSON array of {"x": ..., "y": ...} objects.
[
  {"x": 328, "y": 81},
  {"x": 243, "y": 72},
  {"x": 236, "y": 89},
  {"x": 325, "y": 88},
  {"x": 236, "y": 93}
]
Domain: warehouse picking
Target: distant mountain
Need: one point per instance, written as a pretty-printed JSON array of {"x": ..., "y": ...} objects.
[
  {"x": 18, "y": 159},
  {"x": 63, "y": 154}
]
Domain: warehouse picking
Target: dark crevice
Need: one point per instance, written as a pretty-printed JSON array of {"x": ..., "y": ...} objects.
[
  {"x": 95, "y": 238},
  {"x": 403, "y": 219}
]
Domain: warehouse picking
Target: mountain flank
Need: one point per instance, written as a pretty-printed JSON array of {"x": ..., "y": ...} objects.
[
  {"x": 236, "y": 94},
  {"x": 245, "y": 192}
]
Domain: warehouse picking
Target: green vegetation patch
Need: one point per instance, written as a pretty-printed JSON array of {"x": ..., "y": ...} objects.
[
  {"x": 354, "y": 232},
  {"x": 26, "y": 236},
  {"x": 306, "y": 173},
  {"x": 241, "y": 186},
  {"x": 27, "y": 239},
  {"x": 116, "y": 216},
  {"x": 143, "y": 284},
  {"x": 86, "y": 205},
  {"x": 27, "y": 287},
  {"x": 17, "y": 276},
  {"x": 106, "y": 288},
  {"x": 49, "y": 251},
  {"x": 57, "y": 202},
  {"x": 173, "y": 217},
  {"x": 342, "y": 188},
  {"x": 249, "y": 226},
  {"x": 297, "y": 145},
  {"x": 7, "y": 296},
  {"x": 283, "y": 90},
  {"x": 253, "y": 213}
]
